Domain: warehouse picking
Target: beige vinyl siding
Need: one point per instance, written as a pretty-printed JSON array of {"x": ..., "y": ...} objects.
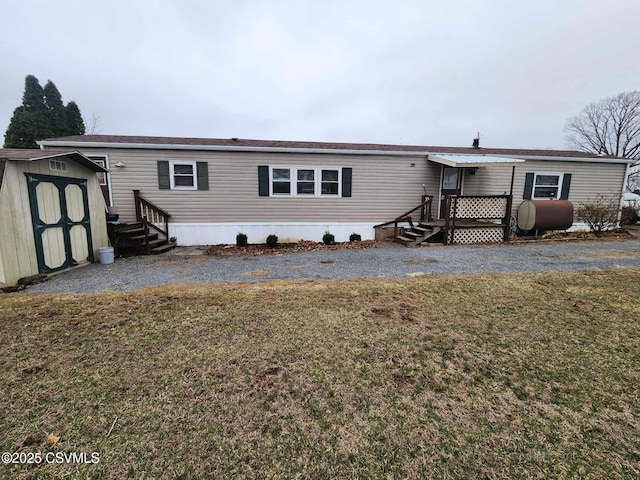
[
  {"x": 17, "y": 243},
  {"x": 383, "y": 187},
  {"x": 587, "y": 179}
]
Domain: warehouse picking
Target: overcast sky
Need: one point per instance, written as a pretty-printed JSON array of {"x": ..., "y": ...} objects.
[{"x": 403, "y": 72}]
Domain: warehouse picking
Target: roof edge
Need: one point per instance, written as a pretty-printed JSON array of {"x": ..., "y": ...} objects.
[
  {"x": 175, "y": 143},
  {"x": 227, "y": 148}
]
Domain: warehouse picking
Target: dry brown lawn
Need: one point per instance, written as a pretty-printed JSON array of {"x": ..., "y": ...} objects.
[{"x": 497, "y": 376}]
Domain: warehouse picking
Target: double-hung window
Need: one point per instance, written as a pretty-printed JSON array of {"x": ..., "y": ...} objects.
[
  {"x": 306, "y": 184},
  {"x": 330, "y": 182},
  {"x": 305, "y": 181},
  {"x": 182, "y": 175},
  {"x": 281, "y": 181},
  {"x": 547, "y": 185}
]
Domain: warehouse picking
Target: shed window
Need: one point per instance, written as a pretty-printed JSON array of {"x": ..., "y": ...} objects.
[{"x": 57, "y": 166}]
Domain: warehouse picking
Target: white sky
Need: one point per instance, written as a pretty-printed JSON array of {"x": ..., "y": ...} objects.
[{"x": 404, "y": 72}]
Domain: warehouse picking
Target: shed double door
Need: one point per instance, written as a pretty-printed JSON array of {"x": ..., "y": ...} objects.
[{"x": 61, "y": 223}]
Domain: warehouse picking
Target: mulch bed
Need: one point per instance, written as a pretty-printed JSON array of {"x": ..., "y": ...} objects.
[
  {"x": 617, "y": 234},
  {"x": 223, "y": 250},
  {"x": 301, "y": 246}
]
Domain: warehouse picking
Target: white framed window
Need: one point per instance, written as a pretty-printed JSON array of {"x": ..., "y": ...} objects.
[
  {"x": 182, "y": 175},
  {"x": 547, "y": 186},
  {"x": 330, "y": 182},
  {"x": 281, "y": 181},
  {"x": 102, "y": 176},
  {"x": 305, "y": 181},
  {"x": 57, "y": 166}
]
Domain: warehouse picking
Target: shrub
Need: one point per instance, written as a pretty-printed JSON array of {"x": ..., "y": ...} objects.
[
  {"x": 241, "y": 240},
  {"x": 328, "y": 238},
  {"x": 600, "y": 214},
  {"x": 355, "y": 237},
  {"x": 272, "y": 240},
  {"x": 629, "y": 216}
]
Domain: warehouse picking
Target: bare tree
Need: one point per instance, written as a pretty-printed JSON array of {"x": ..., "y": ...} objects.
[
  {"x": 609, "y": 127},
  {"x": 95, "y": 125}
]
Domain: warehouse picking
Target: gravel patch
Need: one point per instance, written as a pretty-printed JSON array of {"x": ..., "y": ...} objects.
[{"x": 389, "y": 261}]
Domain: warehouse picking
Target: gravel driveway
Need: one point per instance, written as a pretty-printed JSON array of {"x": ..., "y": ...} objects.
[{"x": 185, "y": 265}]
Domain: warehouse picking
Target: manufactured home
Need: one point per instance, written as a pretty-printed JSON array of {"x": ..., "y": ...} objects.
[
  {"x": 52, "y": 212},
  {"x": 208, "y": 190}
]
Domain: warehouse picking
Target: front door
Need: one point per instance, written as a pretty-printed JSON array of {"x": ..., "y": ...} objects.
[
  {"x": 60, "y": 217},
  {"x": 451, "y": 185}
]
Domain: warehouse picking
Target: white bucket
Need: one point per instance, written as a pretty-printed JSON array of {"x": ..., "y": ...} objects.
[{"x": 106, "y": 255}]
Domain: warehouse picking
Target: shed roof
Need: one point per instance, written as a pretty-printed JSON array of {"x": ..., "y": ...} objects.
[
  {"x": 31, "y": 155},
  {"x": 241, "y": 144}
]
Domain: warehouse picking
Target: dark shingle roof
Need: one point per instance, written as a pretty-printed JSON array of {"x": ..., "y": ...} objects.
[
  {"x": 328, "y": 146},
  {"x": 20, "y": 153}
]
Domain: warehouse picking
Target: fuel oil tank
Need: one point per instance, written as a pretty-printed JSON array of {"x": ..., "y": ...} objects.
[{"x": 545, "y": 215}]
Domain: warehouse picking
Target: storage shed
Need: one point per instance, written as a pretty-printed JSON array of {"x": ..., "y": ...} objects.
[{"x": 52, "y": 212}]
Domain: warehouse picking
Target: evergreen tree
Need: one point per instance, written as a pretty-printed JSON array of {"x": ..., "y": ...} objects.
[
  {"x": 56, "y": 110},
  {"x": 33, "y": 98},
  {"x": 42, "y": 115},
  {"x": 73, "y": 120}
]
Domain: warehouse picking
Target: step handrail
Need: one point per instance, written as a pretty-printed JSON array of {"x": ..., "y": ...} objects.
[
  {"x": 425, "y": 213},
  {"x": 150, "y": 214}
]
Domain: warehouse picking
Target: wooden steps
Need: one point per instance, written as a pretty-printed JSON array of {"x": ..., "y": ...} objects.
[
  {"x": 135, "y": 236},
  {"x": 418, "y": 234}
]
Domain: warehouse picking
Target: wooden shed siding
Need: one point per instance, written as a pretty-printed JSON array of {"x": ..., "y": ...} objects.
[
  {"x": 383, "y": 187},
  {"x": 588, "y": 179},
  {"x": 17, "y": 243}
]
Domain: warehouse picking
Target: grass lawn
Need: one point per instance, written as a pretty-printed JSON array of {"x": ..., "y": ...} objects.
[{"x": 497, "y": 376}]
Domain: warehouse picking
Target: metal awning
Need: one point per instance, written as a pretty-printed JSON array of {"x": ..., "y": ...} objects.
[{"x": 471, "y": 161}]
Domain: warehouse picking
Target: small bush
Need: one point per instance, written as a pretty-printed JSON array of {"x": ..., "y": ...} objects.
[
  {"x": 355, "y": 237},
  {"x": 272, "y": 240},
  {"x": 600, "y": 214},
  {"x": 241, "y": 240},
  {"x": 629, "y": 216},
  {"x": 328, "y": 238}
]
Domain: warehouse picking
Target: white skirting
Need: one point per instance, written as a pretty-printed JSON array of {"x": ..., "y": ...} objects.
[{"x": 217, "y": 233}]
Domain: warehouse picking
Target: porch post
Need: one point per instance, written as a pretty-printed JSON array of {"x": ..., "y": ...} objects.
[{"x": 513, "y": 173}]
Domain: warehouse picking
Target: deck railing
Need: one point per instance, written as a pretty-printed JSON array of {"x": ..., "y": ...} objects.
[
  {"x": 151, "y": 215},
  {"x": 425, "y": 214},
  {"x": 477, "y": 207}
]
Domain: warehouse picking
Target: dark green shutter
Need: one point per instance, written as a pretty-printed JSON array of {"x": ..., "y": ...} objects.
[
  {"x": 263, "y": 181},
  {"x": 566, "y": 183},
  {"x": 528, "y": 185},
  {"x": 346, "y": 182},
  {"x": 163, "y": 175},
  {"x": 202, "y": 169}
]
